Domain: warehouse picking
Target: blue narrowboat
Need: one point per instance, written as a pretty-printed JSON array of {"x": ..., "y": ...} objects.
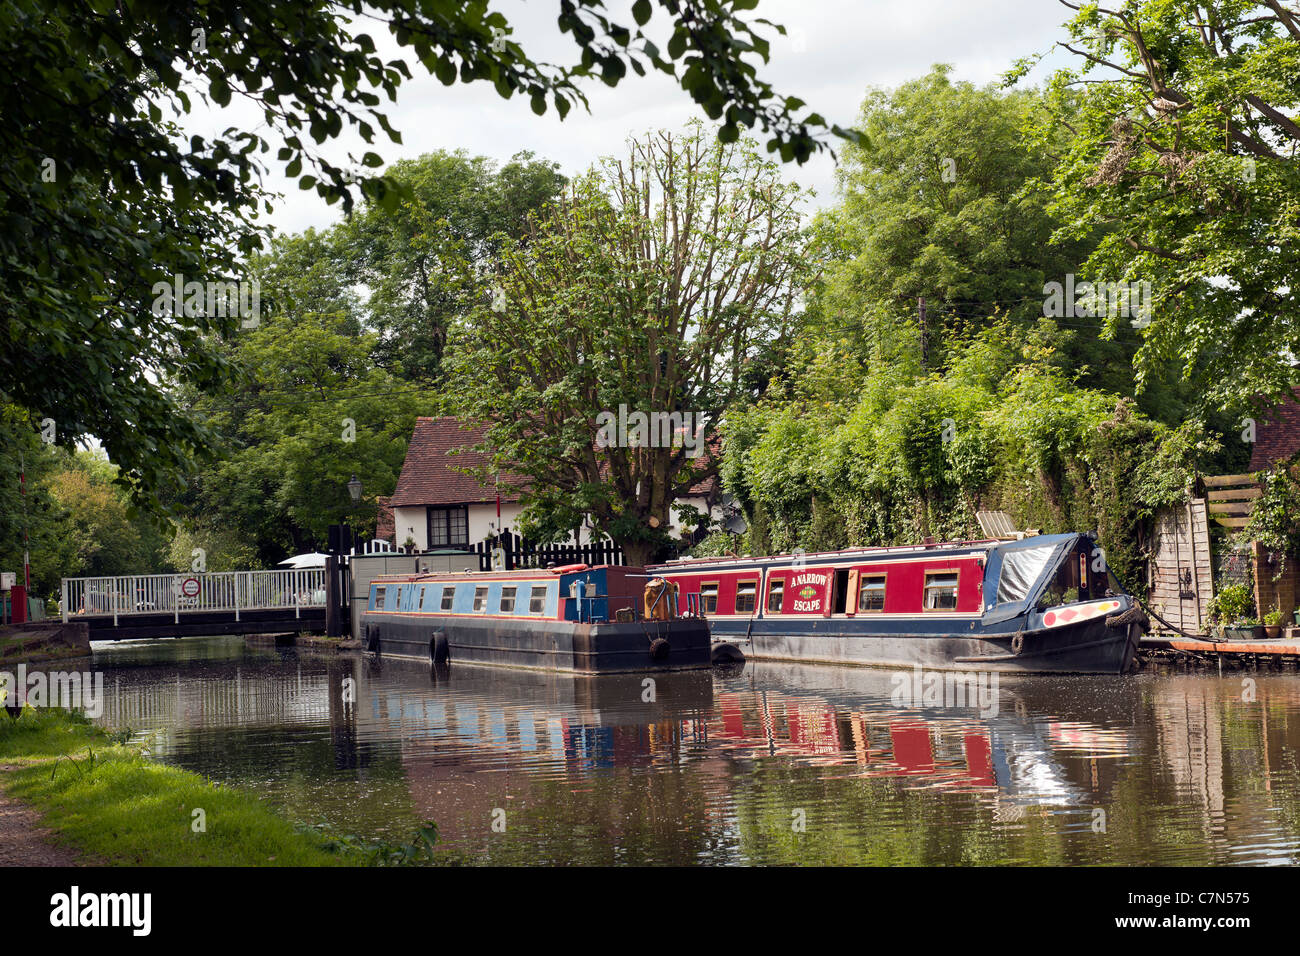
[
  {"x": 576, "y": 618},
  {"x": 1045, "y": 603}
]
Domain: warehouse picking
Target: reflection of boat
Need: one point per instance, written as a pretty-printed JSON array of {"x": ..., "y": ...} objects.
[
  {"x": 826, "y": 715},
  {"x": 1037, "y": 605},
  {"x": 480, "y": 741},
  {"x": 573, "y": 618},
  {"x": 615, "y": 700}
]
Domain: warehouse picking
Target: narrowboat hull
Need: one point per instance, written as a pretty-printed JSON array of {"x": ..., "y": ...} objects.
[
  {"x": 1090, "y": 648},
  {"x": 564, "y": 646}
]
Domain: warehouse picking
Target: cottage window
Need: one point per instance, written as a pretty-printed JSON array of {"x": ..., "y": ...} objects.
[{"x": 449, "y": 527}]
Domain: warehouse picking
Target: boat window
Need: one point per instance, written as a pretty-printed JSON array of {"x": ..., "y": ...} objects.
[
  {"x": 537, "y": 600},
  {"x": 746, "y": 597},
  {"x": 420, "y": 605},
  {"x": 871, "y": 593},
  {"x": 775, "y": 595},
  {"x": 379, "y": 598},
  {"x": 1066, "y": 587},
  {"x": 709, "y": 598},
  {"x": 448, "y": 596},
  {"x": 397, "y": 600},
  {"x": 508, "y": 600},
  {"x": 480, "y": 597},
  {"x": 1021, "y": 567},
  {"x": 940, "y": 591}
]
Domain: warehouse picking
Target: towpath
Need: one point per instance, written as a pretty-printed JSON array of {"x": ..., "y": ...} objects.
[{"x": 23, "y": 841}]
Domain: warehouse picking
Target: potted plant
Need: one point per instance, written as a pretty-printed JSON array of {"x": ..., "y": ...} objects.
[
  {"x": 409, "y": 545},
  {"x": 1273, "y": 623},
  {"x": 1232, "y": 608}
]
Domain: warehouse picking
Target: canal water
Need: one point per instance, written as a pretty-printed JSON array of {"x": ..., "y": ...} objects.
[{"x": 774, "y": 764}]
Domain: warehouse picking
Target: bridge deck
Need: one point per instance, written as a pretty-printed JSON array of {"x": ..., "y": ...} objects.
[
  {"x": 131, "y": 627},
  {"x": 178, "y": 605}
]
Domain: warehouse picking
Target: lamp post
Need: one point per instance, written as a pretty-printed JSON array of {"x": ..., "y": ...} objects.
[{"x": 340, "y": 544}]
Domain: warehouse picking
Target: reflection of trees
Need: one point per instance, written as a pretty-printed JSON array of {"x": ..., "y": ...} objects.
[
  {"x": 620, "y": 815},
  {"x": 1231, "y": 762},
  {"x": 285, "y": 732}
]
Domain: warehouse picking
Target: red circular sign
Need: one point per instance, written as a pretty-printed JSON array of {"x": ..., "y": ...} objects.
[{"x": 190, "y": 587}]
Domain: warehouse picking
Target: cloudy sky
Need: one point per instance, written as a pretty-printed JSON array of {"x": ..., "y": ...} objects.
[{"x": 835, "y": 51}]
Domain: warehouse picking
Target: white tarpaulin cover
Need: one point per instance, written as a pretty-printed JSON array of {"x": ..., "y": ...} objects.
[{"x": 1020, "y": 569}]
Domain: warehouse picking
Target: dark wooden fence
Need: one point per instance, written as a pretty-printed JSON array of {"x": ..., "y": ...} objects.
[{"x": 519, "y": 552}]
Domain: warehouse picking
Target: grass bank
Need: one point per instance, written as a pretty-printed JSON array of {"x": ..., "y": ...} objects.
[{"x": 108, "y": 800}]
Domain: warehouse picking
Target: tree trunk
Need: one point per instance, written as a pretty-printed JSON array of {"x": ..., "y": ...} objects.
[{"x": 637, "y": 553}]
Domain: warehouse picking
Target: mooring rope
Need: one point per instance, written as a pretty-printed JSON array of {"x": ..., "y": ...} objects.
[{"x": 1151, "y": 611}]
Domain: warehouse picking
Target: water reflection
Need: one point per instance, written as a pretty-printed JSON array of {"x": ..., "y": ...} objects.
[{"x": 775, "y": 764}]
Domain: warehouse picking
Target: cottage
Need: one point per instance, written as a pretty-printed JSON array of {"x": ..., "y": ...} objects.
[
  {"x": 1277, "y": 437},
  {"x": 437, "y": 505}
]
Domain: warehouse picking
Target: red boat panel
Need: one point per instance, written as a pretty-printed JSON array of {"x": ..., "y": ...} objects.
[{"x": 808, "y": 591}]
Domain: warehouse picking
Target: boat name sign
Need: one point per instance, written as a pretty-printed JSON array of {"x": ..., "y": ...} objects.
[{"x": 809, "y": 593}]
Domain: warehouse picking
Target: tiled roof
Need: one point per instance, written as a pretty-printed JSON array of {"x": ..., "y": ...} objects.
[
  {"x": 1277, "y": 436},
  {"x": 431, "y": 475}
]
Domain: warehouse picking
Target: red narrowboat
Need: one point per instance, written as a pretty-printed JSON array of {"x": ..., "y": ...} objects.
[{"x": 1041, "y": 604}]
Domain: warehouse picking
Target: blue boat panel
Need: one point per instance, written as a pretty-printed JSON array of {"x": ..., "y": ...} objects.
[{"x": 405, "y": 597}]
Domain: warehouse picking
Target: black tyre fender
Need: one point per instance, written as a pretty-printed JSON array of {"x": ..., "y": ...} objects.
[
  {"x": 1017, "y": 643},
  {"x": 659, "y": 649},
  {"x": 372, "y": 639},
  {"x": 726, "y": 654},
  {"x": 439, "y": 648}
]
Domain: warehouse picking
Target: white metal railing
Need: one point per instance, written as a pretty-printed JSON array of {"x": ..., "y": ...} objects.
[{"x": 178, "y": 594}]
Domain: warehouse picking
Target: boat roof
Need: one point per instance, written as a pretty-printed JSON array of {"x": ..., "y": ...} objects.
[
  {"x": 830, "y": 557},
  {"x": 519, "y": 574}
]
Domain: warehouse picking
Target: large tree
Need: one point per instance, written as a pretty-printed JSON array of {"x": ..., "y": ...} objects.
[
  {"x": 934, "y": 205},
  {"x": 653, "y": 287},
  {"x": 102, "y": 196},
  {"x": 306, "y": 408},
  {"x": 1183, "y": 146},
  {"x": 424, "y": 262}
]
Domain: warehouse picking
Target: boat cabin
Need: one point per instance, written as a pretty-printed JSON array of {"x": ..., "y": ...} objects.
[
  {"x": 576, "y": 593},
  {"x": 951, "y": 580}
]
